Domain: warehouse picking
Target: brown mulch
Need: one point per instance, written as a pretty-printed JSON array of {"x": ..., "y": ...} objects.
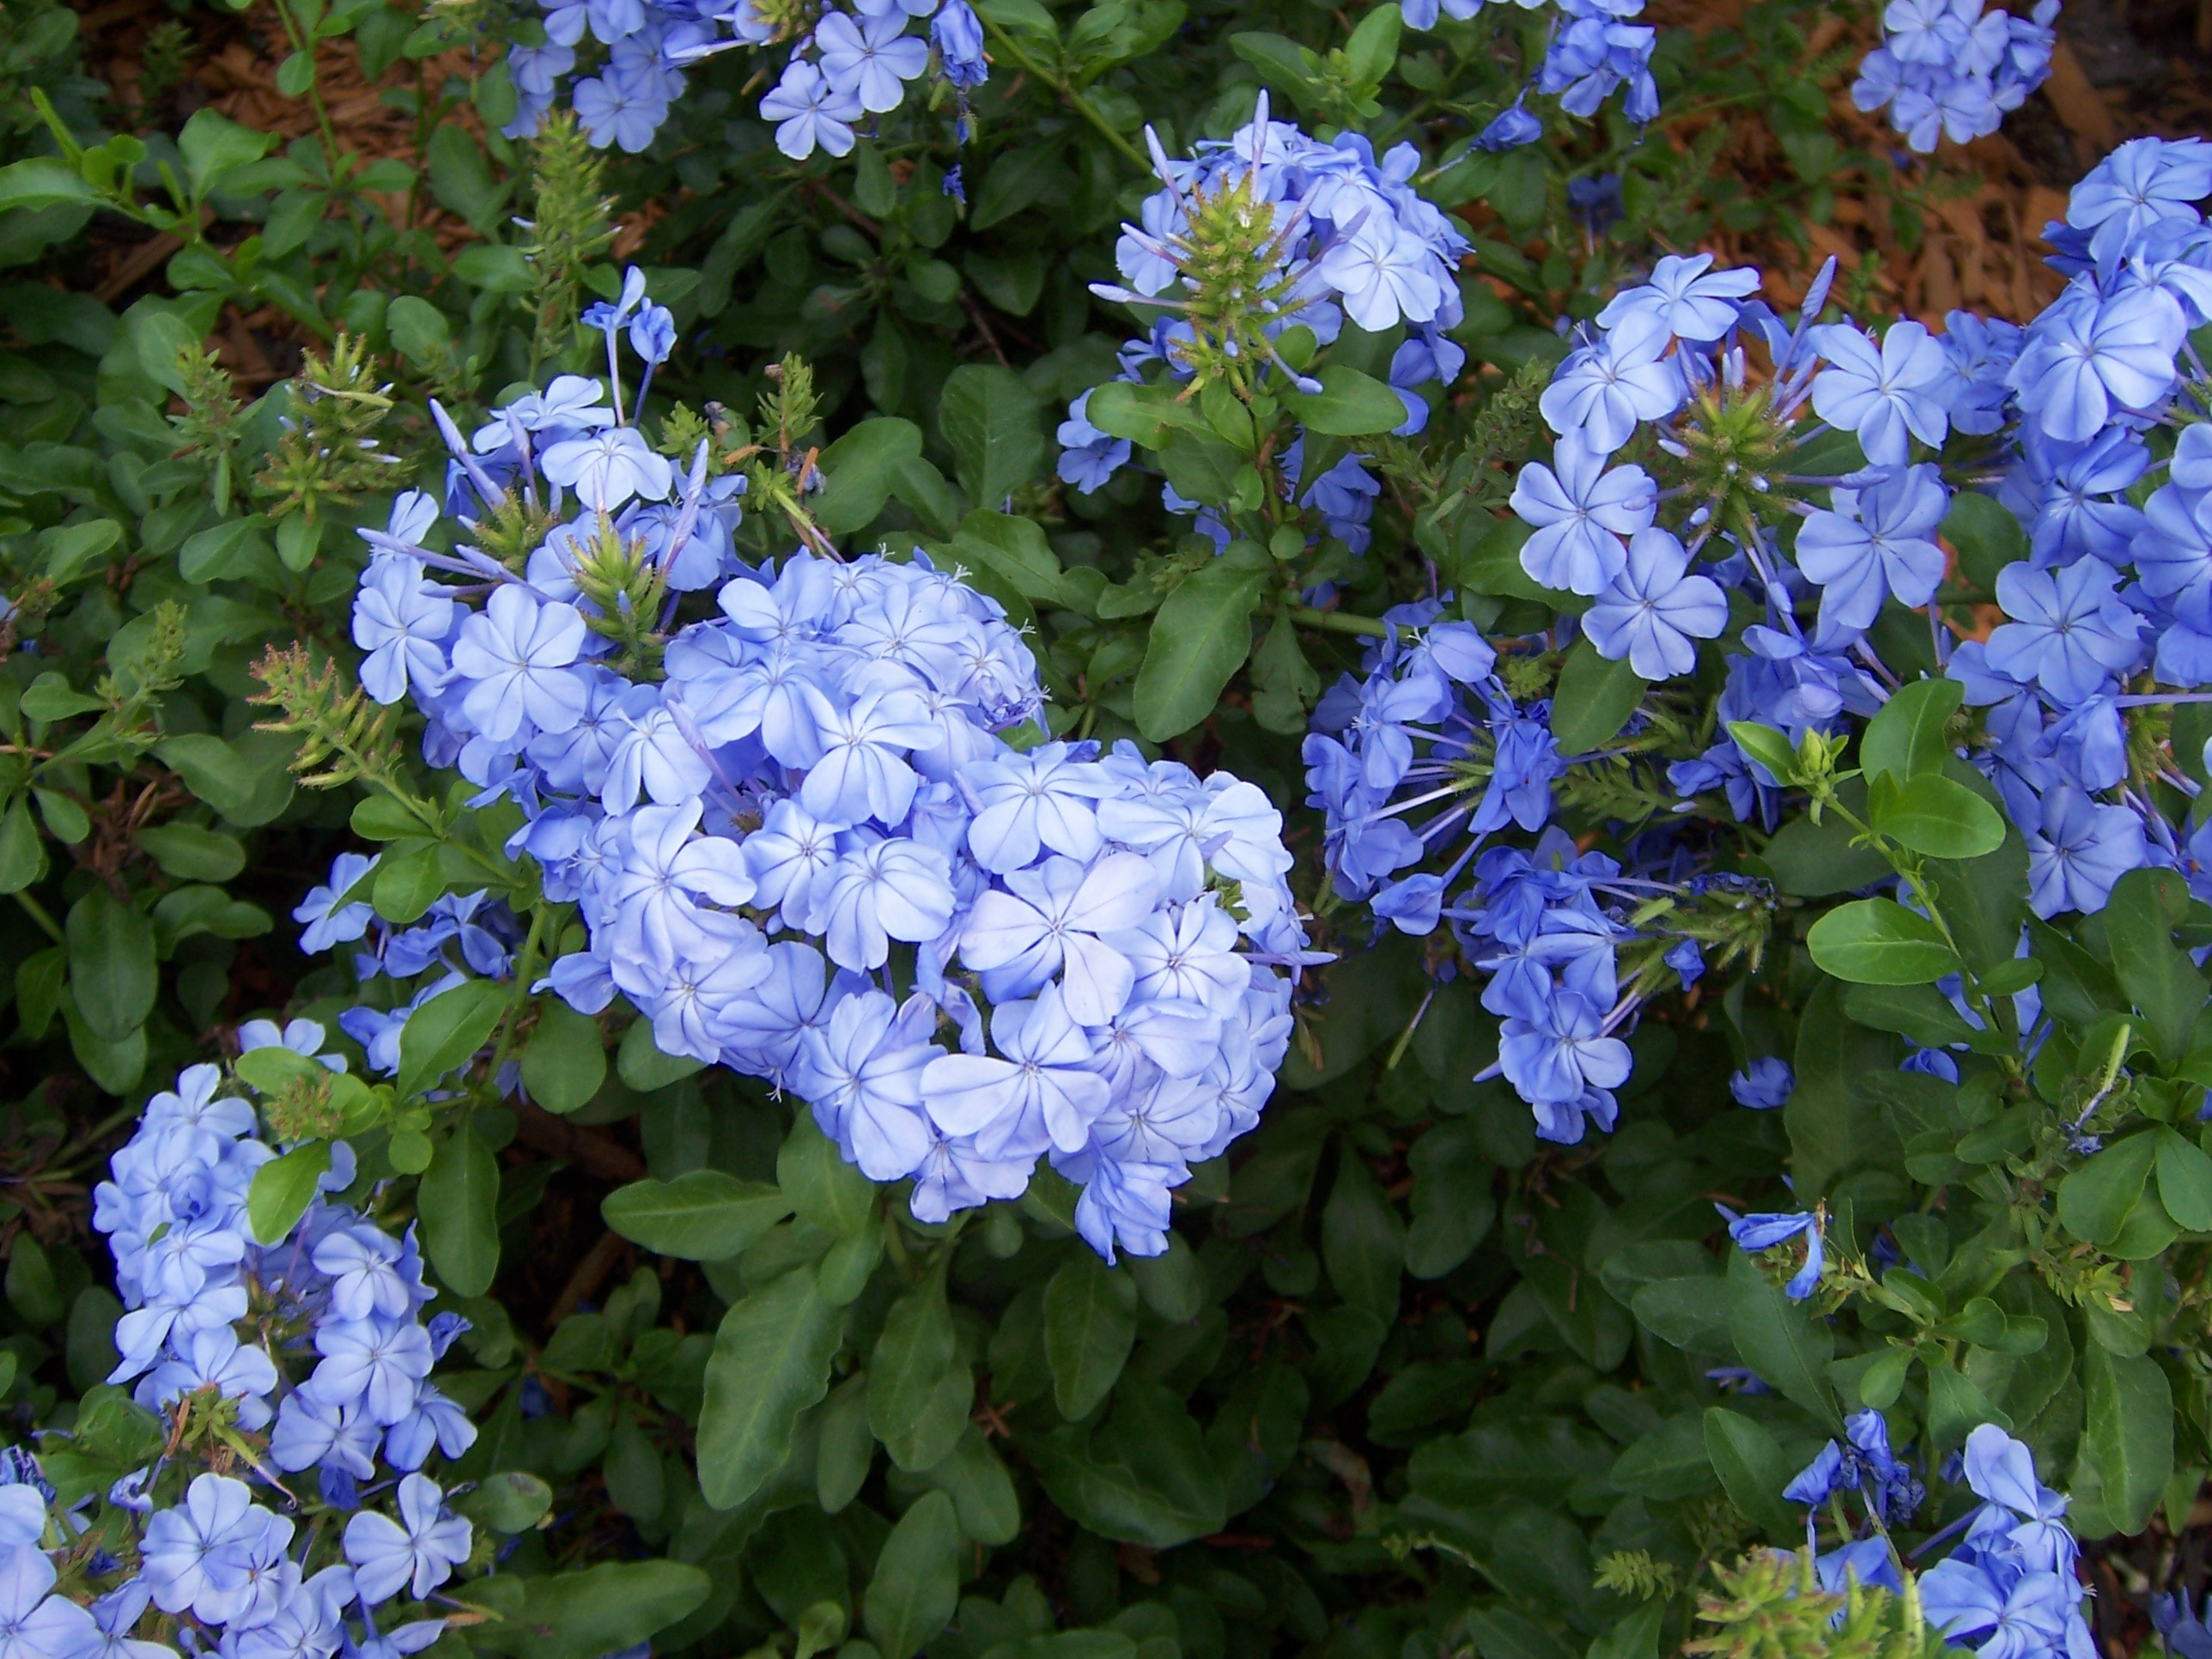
[{"x": 2123, "y": 68}]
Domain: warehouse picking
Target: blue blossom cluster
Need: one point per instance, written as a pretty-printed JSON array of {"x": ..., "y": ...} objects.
[
  {"x": 1341, "y": 234},
  {"x": 2108, "y": 465},
  {"x": 846, "y": 68},
  {"x": 2010, "y": 1586},
  {"x": 802, "y": 848},
  {"x": 1592, "y": 50},
  {"x": 2008, "y": 1589},
  {"x": 1947, "y": 69},
  {"x": 2083, "y": 409},
  {"x": 317, "y": 1342},
  {"x": 1863, "y": 1464},
  {"x": 1422, "y": 761}
]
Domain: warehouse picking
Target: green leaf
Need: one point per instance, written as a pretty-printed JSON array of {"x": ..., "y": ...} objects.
[
  {"x": 919, "y": 1394},
  {"x": 50, "y": 698},
  {"x": 69, "y": 547},
  {"x": 32, "y": 1289},
  {"x": 1172, "y": 1283},
  {"x": 193, "y": 853},
  {"x": 1878, "y": 941},
  {"x": 860, "y": 470},
  {"x": 1781, "y": 1341},
  {"x": 1907, "y": 737},
  {"x": 988, "y": 416},
  {"x": 771, "y": 1361},
  {"x": 246, "y": 780},
  {"x": 1144, "y": 1478},
  {"x": 848, "y": 1450},
  {"x": 1199, "y": 639},
  {"x": 213, "y": 145},
  {"x": 2095, "y": 1200},
  {"x": 981, "y": 1491},
  {"x": 2184, "y": 1182},
  {"x": 2157, "y": 977},
  {"x": 1986, "y": 534},
  {"x": 111, "y": 964},
  {"x": 1349, "y": 404},
  {"x": 1667, "y": 1463},
  {"x": 1282, "y": 64},
  {"x": 283, "y": 1187},
  {"x": 459, "y": 1203},
  {"x": 702, "y": 1215},
  {"x": 22, "y": 854},
  {"x": 600, "y": 1610},
  {"x": 1956, "y": 1407},
  {"x": 1362, "y": 1240},
  {"x": 2127, "y": 1440},
  {"x": 645, "y": 1067},
  {"x": 1014, "y": 549},
  {"x": 444, "y": 1033},
  {"x": 410, "y": 878},
  {"x": 1932, "y": 815},
  {"x": 43, "y": 181},
  {"x": 823, "y": 1187},
  {"x": 1919, "y": 1011},
  {"x": 1753, "y": 1469},
  {"x": 1090, "y": 1326},
  {"x": 565, "y": 1061},
  {"x": 1453, "y": 1204},
  {"x": 1144, "y": 415},
  {"x": 1767, "y": 746},
  {"x": 418, "y": 329},
  {"x": 915, "y": 1588},
  {"x": 1373, "y": 48},
  {"x": 512, "y": 1502},
  {"x": 1594, "y": 699}
]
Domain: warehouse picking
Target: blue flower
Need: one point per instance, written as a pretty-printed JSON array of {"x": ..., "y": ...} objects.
[
  {"x": 1605, "y": 388},
  {"x": 1754, "y": 1233},
  {"x": 811, "y": 113},
  {"x": 1553, "y": 1057},
  {"x": 870, "y": 61},
  {"x": 1583, "y": 513},
  {"x": 1880, "y": 542},
  {"x": 1654, "y": 609},
  {"x": 1886, "y": 393},
  {"x": 418, "y": 1552},
  {"x": 1765, "y": 1083},
  {"x": 2069, "y": 631},
  {"x": 2088, "y": 357},
  {"x": 515, "y": 653}
]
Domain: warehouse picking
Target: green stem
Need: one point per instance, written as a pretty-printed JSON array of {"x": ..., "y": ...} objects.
[
  {"x": 39, "y": 914},
  {"x": 1342, "y": 622},
  {"x": 1083, "y": 106},
  {"x": 301, "y": 44},
  {"x": 525, "y": 968}
]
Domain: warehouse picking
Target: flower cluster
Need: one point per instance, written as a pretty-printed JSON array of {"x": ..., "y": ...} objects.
[
  {"x": 1863, "y": 1463},
  {"x": 1949, "y": 69},
  {"x": 2077, "y": 409},
  {"x": 268, "y": 1359},
  {"x": 802, "y": 848},
  {"x": 1592, "y": 50},
  {"x": 846, "y": 68},
  {"x": 2109, "y": 620},
  {"x": 1261, "y": 234},
  {"x": 2010, "y": 1586},
  {"x": 1432, "y": 728}
]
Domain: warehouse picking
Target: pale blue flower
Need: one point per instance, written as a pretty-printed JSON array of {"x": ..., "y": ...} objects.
[
  {"x": 516, "y": 653},
  {"x": 418, "y": 1552}
]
